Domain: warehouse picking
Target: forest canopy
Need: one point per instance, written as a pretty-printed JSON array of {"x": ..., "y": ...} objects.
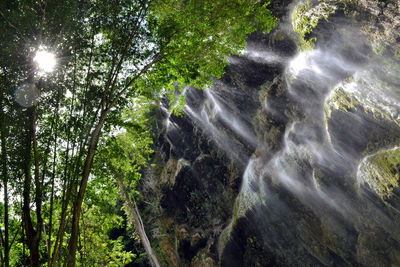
[{"x": 80, "y": 83}]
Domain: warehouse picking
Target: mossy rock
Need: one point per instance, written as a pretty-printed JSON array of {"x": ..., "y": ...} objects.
[
  {"x": 243, "y": 204},
  {"x": 203, "y": 259},
  {"x": 340, "y": 99},
  {"x": 166, "y": 253},
  {"x": 245, "y": 201},
  {"x": 381, "y": 27},
  {"x": 358, "y": 93},
  {"x": 378, "y": 21},
  {"x": 381, "y": 171},
  {"x": 305, "y": 19}
]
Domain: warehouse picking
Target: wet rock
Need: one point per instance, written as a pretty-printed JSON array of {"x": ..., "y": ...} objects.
[
  {"x": 298, "y": 207},
  {"x": 381, "y": 171}
]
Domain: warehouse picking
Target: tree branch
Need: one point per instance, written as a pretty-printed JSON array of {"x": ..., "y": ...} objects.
[
  {"x": 12, "y": 26},
  {"x": 113, "y": 79}
]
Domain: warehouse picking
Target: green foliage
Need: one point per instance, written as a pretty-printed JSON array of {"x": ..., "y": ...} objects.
[
  {"x": 115, "y": 58},
  {"x": 128, "y": 151},
  {"x": 200, "y": 35},
  {"x": 124, "y": 155},
  {"x": 97, "y": 248}
]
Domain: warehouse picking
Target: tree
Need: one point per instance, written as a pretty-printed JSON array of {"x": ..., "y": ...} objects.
[
  {"x": 186, "y": 42},
  {"x": 126, "y": 155},
  {"x": 110, "y": 54}
]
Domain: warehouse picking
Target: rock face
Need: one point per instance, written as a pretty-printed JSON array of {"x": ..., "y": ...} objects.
[
  {"x": 292, "y": 158},
  {"x": 381, "y": 171}
]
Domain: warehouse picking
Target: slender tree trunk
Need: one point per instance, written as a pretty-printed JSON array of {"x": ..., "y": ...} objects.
[
  {"x": 63, "y": 219},
  {"x": 5, "y": 190},
  {"x": 70, "y": 187},
  {"x": 23, "y": 237},
  {"x": 63, "y": 223},
  {"x": 38, "y": 187},
  {"x": 6, "y": 225},
  {"x": 33, "y": 236},
  {"x": 53, "y": 177},
  {"x": 134, "y": 212},
  {"x": 106, "y": 104},
  {"x": 67, "y": 184},
  {"x": 29, "y": 230},
  {"x": 2, "y": 244},
  {"x": 73, "y": 243}
]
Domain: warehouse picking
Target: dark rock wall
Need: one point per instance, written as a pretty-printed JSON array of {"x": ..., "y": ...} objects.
[
  {"x": 195, "y": 208},
  {"x": 196, "y": 177}
]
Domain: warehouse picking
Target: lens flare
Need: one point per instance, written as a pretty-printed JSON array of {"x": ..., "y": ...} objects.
[{"x": 26, "y": 95}]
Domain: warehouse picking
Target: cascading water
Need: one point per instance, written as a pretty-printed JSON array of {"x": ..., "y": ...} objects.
[
  {"x": 221, "y": 123},
  {"x": 319, "y": 145},
  {"x": 347, "y": 101},
  {"x": 342, "y": 104}
]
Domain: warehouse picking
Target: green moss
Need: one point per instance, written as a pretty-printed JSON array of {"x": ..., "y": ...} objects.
[
  {"x": 242, "y": 204},
  {"x": 381, "y": 171},
  {"x": 341, "y": 99},
  {"x": 390, "y": 64},
  {"x": 396, "y": 51},
  {"x": 224, "y": 239},
  {"x": 272, "y": 137},
  {"x": 202, "y": 259},
  {"x": 305, "y": 19},
  {"x": 379, "y": 50},
  {"x": 302, "y": 25},
  {"x": 164, "y": 245},
  {"x": 349, "y": 6}
]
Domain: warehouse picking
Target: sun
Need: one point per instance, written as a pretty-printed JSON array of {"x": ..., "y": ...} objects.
[{"x": 45, "y": 61}]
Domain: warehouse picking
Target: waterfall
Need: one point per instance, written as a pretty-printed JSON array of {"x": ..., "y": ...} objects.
[
  {"x": 324, "y": 162},
  {"x": 228, "y": 129},
  {"x": 320, "y": 179}
]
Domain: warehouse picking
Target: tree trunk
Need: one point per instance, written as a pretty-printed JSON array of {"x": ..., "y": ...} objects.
[
  {"x": 53, "y": 177},
  {"x": 5, "y": 187},
  {"x": 5, "y": 192},
  {"x": 134, "y": 212},
  {"x": 34, "y": 251},
  {"x": 33, "y": 236},
  {"x": 107, "y": 102},
  {"x": 73, "y": 242},
  {"x": 63, "y": 223}
]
